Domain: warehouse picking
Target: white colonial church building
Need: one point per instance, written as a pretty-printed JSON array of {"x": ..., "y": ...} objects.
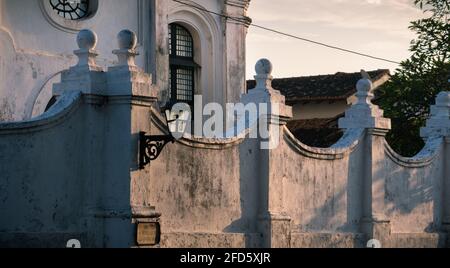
[
  {"x": 199, "y": 52},
  {"x": 88, "y": 159}
]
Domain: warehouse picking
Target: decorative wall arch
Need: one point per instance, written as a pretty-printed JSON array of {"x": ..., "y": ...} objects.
[
  {"x": 423, "y": 159},
  {"x": 344, "y": 147},
  {"x": 35, "y": 93},
  {"x": 9, "y": 52}
]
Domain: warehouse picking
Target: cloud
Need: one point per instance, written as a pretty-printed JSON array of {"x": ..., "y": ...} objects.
[
  {"x": 374, "y": 2},
  {"x": 392, "y": 16},
  {"x": 377, "y": 27},
  {"x": 260, "y": 36}
]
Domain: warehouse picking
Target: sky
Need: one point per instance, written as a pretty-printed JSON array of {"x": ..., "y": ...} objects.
[{"x": 375, "y": 27}]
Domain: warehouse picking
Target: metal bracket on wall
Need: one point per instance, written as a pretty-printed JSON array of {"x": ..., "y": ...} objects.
[{"x": 150, "y": 147}]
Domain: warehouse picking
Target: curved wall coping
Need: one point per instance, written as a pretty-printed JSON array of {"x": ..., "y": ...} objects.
[
  {"x": 63, "y": 108},
  {"x": 210, "y": 143},
  {"x": 342, "y": 148},
  {"x": 201, "y": 142},
  {"x": 422, "y": 159}
]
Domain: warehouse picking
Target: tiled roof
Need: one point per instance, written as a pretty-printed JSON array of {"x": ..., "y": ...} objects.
[
  {"x": 321, "y": 133},
  {"x": 322, "y": 87}
]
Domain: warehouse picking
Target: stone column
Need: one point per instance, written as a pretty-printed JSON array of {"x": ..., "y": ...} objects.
[
  {"x": 131, "y": 97},
  {"x": 116, "y": 107},
  {"x": 365, "y": 115},
  {"x": 89, "y": 79},
  {"x": 446, "y": 195},
  {"x": 273, "y": 223},
  {"x": 437, "y": 127},
  {"x": 107, "y": 125}
]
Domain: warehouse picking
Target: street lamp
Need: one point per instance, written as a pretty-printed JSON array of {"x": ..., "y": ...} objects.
[{"x": 151, "y": 146}]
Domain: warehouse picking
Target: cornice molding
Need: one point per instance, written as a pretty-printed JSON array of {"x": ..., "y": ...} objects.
[{"x": 238, "y": 3}]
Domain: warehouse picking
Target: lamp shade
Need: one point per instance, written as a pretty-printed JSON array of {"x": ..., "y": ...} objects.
[{"x": 178, "y": 118}]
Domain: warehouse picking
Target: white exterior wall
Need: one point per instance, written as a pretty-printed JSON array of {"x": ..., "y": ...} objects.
[
  {"x": 33, "y": 50},
  {"x": 213, "y": 192}
]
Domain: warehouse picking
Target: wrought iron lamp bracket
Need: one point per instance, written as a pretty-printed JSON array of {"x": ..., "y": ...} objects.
[{"x": 151, "y": 146}]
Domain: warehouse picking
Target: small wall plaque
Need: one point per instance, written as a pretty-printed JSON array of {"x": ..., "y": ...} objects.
[{"x": 148, "y": 233}]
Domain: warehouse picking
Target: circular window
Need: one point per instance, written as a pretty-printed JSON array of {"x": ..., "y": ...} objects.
[
  {"x": 71, "y": 9},
  {"x": 69, "y": 15}
]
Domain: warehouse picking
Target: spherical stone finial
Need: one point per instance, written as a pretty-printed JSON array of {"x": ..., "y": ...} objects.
[
  {"x": 127, "y": 39},
  {"x": 443, "y": 99},
  {"x": 364, "y": 85},
  {"x": 264, "y": 67},
  {"x": 87, "y": 39}
]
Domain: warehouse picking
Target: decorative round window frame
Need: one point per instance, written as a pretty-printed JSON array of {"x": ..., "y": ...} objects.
[{"x": 67, "y": 25}]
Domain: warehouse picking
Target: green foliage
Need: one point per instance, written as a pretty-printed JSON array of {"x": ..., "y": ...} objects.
[{"x": 406, "y": 99}]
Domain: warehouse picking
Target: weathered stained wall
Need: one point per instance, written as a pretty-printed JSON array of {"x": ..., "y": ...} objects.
[
  {"x": 414, "y": 195},
  {"x": 316, "y": 191},
  {"x": 212, "y": 188},
  {"x": 74, "y": 182},
  {"x": 37, "y": 197},
  {"x": 342, "y": 196},
  {"x": 198, "y": 193},
  {"x": 33, "y": 51},
  {"x": 323, "y": 193},
  {"x": 74, "y": 173},
  {"x": 78, "y": 184}
]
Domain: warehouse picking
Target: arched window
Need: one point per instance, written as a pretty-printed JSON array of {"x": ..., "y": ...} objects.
[{"x": 182, "y": 65}]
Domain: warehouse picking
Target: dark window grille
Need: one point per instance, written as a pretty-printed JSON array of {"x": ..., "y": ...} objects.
[
  {"x": 182, "y": 65},
  {"x": 71, "y": 10}
]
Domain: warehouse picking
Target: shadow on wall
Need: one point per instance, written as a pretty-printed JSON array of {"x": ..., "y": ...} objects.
[
  {"x": 350, "y": 194},
  {"x": 248, "y": 191},
  {"x": 322, "y": 222},
  {"x": 406, "y": 191},
  {"x": 409, "y": 195}
]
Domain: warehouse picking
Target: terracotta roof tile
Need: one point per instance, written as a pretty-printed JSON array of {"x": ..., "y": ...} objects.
[{"x": 322, "y": 87}]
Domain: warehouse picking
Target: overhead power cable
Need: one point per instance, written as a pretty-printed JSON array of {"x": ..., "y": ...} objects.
[{"x": 242, "y": 20}]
